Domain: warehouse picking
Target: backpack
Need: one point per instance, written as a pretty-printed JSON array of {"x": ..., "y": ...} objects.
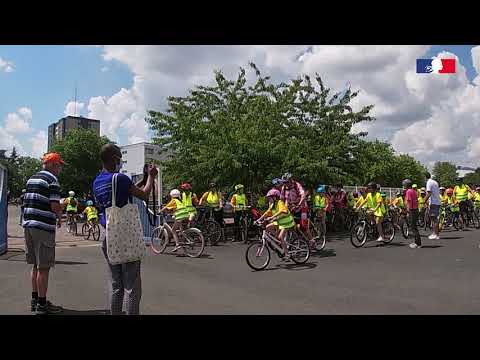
[{"x": 73, "y": 202}]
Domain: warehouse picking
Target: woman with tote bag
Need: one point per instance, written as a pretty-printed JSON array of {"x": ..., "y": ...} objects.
[{"x": 123, "y": 245}]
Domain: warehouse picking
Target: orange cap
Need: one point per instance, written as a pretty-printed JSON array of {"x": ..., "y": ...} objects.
[{"x": 52, "y": 157}]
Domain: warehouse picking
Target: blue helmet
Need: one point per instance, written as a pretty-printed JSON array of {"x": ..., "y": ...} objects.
[
  {"x": 89, "y": 203},
  {"x": 277, "y": 181},
  {"x": 321, "y": 189}
]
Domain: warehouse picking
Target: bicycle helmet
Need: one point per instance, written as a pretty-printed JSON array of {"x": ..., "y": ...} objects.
[
  {"x": 449, "y": 191},
  {"x": 477, "y": 189},
  {"x": 175, "y": 193},
  {"x": 212, "y": 185},
  {"x": 321, "y": 189},
  {"x": 383, "y": 195},
  {"x": 423, "y": 189},
  {"x": 71, "y": 193},
  {"x": 372, "y": 186},
  {"x": 398, "y": 194},
  {"x": 441, "y": 188},
  {"x": 89, "y": 203},
  {"x": 406, "y": 183},
  {"x": 414, "y": 186},
  {"x": 186, "y": 186},
  {"x": 238, "y": 187},
  {"x": 287, "y": 176},
  {"x": 24, "y": 191},
  {"x": 274, "y": 194}
]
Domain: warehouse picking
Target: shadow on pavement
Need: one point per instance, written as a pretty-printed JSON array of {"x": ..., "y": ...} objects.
[
  {"x": 84, "y": 312},
  {"x": 296, "y": 267},
  {"x": 392, "y": 244},
  {"x": 69, "y": 263},
  {"x": 324, "y": 253},
  {"x": 431, "y": 246},
  {"x": 450, "y": 237}
]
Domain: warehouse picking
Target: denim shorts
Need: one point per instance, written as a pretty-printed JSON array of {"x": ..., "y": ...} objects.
[{"x": 434, "y": 211}]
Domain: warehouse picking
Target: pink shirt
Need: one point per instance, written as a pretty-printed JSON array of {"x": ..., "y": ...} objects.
[
  {"x": 411, "y": 198},
  {"x": 293, "y": 195}
]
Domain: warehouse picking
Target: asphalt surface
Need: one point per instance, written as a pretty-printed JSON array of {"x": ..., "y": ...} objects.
[{"x": 439, "y": 278}]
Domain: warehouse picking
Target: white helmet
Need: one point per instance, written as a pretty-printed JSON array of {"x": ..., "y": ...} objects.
[
  {"x": 175, "y": 193},
  {"x": 71, "y": 193}
]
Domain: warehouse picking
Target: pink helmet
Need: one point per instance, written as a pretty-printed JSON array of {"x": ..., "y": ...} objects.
[{"x": 273, "y": 193}]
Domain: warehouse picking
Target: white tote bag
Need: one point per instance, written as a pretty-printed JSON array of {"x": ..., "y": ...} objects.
[{"x": 123, "y": 231}]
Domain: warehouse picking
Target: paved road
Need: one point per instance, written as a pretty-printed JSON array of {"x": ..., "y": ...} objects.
[{"x": 440, "y": 278}]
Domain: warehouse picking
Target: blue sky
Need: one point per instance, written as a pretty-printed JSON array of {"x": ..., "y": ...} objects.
[{"x": 44, "y": 77}]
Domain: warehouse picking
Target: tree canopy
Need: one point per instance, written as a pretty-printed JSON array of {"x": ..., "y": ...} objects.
[
  {"x": 234, "y": 133},
  {"x": 445, "y": 173},
  {"x": 80, "y": 149}
]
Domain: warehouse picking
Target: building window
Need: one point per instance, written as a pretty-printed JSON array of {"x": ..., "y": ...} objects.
[
  {"x": 124, "y": 171},
  {"x": 149, "y": 151},
  {"x": 124, "y": 152},
  {"x": 124, "y": 162}
]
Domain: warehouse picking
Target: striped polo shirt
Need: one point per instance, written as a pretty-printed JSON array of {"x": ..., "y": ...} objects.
[{"x": 42, "y": 189}]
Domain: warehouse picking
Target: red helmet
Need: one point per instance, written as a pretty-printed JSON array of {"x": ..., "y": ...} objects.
[
  {"x": 186, "y": 186},
  {"x": 449, "y": 191}
]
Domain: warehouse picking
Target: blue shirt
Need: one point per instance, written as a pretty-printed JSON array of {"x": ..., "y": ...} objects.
[{"x": 102, "y": 190}]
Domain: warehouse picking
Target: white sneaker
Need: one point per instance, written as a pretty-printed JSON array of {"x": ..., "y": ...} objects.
[
  {"x": 432, "y": 237},
  {"x": 414, "y": 246},
  {"x": 380, "y": 239},
  {"x": 437, "y": 237}
]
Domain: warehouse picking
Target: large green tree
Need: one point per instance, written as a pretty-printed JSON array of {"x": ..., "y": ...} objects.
[
  {"x": 473, "y": 178},
  {"x": 445, "y": 173},
  {"x": 80, "y": 149},
  {"x": 20, "y": 169},
  {"x": 230, "y": 132}
]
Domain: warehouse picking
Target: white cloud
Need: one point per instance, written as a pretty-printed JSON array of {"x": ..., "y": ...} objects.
[
  {"x": 104, "y": 69},
  {"x": 432, "y": 117},
  {"x": 8, "y": 141},
  {"x": 6, "y": 66},
  {"x": 19, "y": 121},
  {"x": 39, "y": 144},
  {"x": 73, "y": 108}
]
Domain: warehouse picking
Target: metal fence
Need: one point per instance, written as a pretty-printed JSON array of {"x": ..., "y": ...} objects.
[{"x": 387, "y": 190}]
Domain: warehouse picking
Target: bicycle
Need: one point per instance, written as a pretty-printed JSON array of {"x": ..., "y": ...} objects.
[
  {"x": 472, "y": 218},
  {"x": 244, "y": 222},
  {"x": 72, "y": 224},
  {"x": 91, "y": 229},
  {"x": 315, "y": 228},
  {"x": 364, "y": 231},
  {"x": 298, "y": 249},
  {"x": 206, "y": 223},
  {"x": 191, "y": 240}
]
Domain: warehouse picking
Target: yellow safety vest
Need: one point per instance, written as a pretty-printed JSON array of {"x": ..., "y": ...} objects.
[
  {"x": 461, "y": 193},
  {"x": 181, "y": 211},
  {"x": 319, "y": 201}
]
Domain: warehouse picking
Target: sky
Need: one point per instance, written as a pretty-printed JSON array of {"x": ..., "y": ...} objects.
[{"x": 433, "y": 117}]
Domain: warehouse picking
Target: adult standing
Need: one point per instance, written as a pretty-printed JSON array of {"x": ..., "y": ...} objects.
[
  {"x": 411, "y": 204},
  {"x": 433, "y": 201},
  {"x": 340, "y": 203},
  {"x": 42, "y": 214},
  {"x": 294, "y": 195},
  {"x": 124, "y": 279}
]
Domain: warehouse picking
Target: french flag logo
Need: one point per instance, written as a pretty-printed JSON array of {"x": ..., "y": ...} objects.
[{"x": 436, "y": 66}]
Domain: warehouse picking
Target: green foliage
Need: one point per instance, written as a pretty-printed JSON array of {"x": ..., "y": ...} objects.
[
  {"x": 234, "y": 133},
  {"x": 445, "y": 173},
  {"x": 81, "y": 151},
  {"x": 20, "y": 169},
  {"x": 473, "y": 178}
]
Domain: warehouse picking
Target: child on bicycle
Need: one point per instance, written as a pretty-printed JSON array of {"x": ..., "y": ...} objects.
[
  {"x": 279, "y": 217},
  {"x": 375, "y": 208},
  {"x": 320, "y": 203},
  {"x": 72, "y": 203},
  {"x": 239, "y": 203},
  {"x": 189, "y": 199},
  {"x": 181, "y": 214},
  {"x": 92, "y": 213}
]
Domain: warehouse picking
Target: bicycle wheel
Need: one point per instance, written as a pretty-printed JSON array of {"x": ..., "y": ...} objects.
[
  {"x": 298, "y": 249},
  {"x": 475, "y": 220},
  {"x": 257, "y": 256},
  {"x": 85, "y": 230},
  {"x": 405, "y": 229},
  {"x": 96, "y": 232},
  {"x": 244, "y": 229},
  {"x": 193, "y": 242},
  {"x": 388, "y": 231},
  {"x": 213, "y": 232},
  {"x": 159, "y": 240},
  {"x": 441, "y": 221},
  {"x": 73, "y": 228},
  {"x": 358, "y": 235},
  {"x": 421, "y": 221},
  {"x": 456, "y": 223},
  {"x": 317, "y": 235}
]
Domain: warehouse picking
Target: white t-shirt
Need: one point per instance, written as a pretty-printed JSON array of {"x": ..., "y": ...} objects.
[{"x": 432, "y": 186}]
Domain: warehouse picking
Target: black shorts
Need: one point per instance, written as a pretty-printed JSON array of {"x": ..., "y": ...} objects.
[
  {"x": 463, "y": 206},
  {"x": 71, "y": 212}
]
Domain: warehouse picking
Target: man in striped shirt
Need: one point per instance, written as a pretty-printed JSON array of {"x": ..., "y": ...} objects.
[{"x": 42, "y": 209}]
